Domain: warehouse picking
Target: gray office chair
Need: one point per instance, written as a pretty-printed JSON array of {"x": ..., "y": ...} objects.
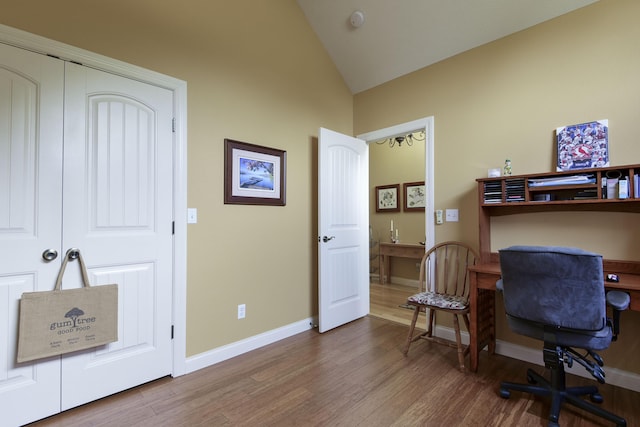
[{"x": 557, "y": 295}]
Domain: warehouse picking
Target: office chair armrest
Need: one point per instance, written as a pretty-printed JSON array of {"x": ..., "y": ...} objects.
[{"x": 619, "y": 301}]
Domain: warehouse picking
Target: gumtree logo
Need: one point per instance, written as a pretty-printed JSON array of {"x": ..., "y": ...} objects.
[
  {"x": 78, "y": 322},
  {"x": 73, "y": 314}
]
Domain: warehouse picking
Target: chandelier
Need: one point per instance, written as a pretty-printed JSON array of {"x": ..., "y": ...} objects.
[{"x": 401, "y": 139}]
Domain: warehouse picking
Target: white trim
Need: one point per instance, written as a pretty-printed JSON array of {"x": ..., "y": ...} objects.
[
  {"x": 42, "y": 45},
  {"x": 426, "y": 123},
  {"x": 226, "y": 352},
  {"x": 616, "y": 377}
]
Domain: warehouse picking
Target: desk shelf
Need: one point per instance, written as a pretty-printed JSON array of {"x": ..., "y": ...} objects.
[{"x": 509, "y": 195}]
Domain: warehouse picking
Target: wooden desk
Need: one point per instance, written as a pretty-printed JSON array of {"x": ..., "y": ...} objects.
[
  {"x": 400, "y": 250},
  {"x": 483, "y": 279}
]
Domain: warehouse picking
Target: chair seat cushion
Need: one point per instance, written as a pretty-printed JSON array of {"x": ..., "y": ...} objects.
[{"x": 433, "y": 299}]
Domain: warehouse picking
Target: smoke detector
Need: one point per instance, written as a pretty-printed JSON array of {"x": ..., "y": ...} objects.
[{"x": 357, "y": 19}]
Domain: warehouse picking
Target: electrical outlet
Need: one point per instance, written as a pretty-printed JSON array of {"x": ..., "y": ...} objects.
[{"x": 242, "y": 311}]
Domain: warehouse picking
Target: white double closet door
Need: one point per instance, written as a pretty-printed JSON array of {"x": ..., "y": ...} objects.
[{"x": 85, "y": 162}]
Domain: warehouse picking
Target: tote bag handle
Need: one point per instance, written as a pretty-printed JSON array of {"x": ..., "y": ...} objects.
[{"x": 72, "y": 254}]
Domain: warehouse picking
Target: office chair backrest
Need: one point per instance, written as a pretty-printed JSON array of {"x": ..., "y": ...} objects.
[{"x": 550, "y": 285}]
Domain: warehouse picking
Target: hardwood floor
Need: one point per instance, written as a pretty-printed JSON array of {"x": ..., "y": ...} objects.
[
  {"x": 385, "y": 301},
  {"x": 352, "y": 375}
]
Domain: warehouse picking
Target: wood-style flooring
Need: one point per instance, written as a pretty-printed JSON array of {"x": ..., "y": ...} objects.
[
  {"x": 354, "y": 375},
  {"x": 385, "y": 301}
]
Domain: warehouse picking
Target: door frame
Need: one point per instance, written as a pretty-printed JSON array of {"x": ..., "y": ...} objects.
[
  {"x": 427, "y": 124},
  {"x": 38, "y": 44}
]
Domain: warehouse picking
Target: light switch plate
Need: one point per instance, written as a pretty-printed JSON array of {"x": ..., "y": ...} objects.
[
  {"x": 192, "y": 215},
  {"x": 452, "y": 215}
]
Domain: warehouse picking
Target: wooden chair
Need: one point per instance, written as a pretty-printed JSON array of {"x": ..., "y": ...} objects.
[{"x": 444, "y": 286}]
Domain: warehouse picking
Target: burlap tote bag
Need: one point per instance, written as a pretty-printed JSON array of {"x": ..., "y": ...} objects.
[{"x": 61, "y": 321}]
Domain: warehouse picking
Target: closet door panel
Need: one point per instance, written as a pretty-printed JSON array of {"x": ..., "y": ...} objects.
[
  {"x": 31, "y": 99},
  {"x": 118, "y": 210}
]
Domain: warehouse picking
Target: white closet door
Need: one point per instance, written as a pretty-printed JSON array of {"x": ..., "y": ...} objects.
[
  {"x": 117, "y": 201},
  {"x": 31, "y": 99}
]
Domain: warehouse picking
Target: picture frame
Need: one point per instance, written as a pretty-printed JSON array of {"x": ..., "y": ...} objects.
[
  {"x": 582, "y": 146},
  {"x": 253, "y": 174},
  {"x": 415, "y": 196},
  {"x": 387, "y": 198}
]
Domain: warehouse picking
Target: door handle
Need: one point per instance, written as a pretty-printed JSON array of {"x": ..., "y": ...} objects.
[
  {"x": 49, "y": 255},
  {"x": 326, "y": 239}
]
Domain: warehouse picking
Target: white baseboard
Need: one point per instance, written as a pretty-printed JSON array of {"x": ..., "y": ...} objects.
[
  {"x": 237, "y": 348},
  {"x": 617, "y": 377}
]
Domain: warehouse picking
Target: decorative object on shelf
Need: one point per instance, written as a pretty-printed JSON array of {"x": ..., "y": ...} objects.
[
  {"x": 507, "y": 167},
  {"x": 254, "y": 175},
  {"x": 583, "y": 146},
  {"x": 400, "y": 139},
  {"x": 493, "y": 173},
  {"x": 415, "y": 196},
  {"x": 387, "y": 198}
]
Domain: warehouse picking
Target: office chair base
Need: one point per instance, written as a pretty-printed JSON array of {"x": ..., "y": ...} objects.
[{"x": 540, "y": 386}]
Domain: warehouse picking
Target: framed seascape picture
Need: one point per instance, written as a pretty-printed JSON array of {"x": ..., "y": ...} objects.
[
  {"x": 387, "y": 198},
  {"x": 583, "y": 146},
  {"x": 415, "y": 196},
  {"x": 254, "y": 175}
]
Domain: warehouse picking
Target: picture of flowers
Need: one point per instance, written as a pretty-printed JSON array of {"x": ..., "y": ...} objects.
[{"x": 387, "y": 198}]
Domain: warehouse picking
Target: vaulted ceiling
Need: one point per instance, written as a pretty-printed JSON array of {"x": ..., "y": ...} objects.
[{"x": 401, "y": 36}]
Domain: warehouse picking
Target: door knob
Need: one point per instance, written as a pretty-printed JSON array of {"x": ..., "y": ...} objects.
[
  {"x": 326, "y": 239},
  {"x": 73, "y": 253},
  {"x": 49, "y": 255}
]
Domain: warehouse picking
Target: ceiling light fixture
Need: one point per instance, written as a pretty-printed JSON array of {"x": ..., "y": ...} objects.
[{"x": 400, "y": 139}]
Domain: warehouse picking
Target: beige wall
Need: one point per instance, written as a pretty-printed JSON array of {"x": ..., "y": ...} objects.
[
  {"x": 504, "y": 100},
  {"x": 257, "y": 73}
]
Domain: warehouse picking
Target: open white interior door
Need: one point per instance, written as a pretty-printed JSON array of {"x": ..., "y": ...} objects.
[{"x": 343, "y": 224}]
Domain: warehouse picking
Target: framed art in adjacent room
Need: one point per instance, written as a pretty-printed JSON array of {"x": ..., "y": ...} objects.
[
  {"x": 254, "y": 175},
  {"x": 387, "y": 198},
  {"x": 415, "y": 196}
]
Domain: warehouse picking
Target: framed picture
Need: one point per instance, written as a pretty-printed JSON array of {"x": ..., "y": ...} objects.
[
  {"x": 387, "y": 198},
  {"x": 254, "y": 175},
  {"x": 415, "y": 196},
  {"x": 583, "y": 146}
]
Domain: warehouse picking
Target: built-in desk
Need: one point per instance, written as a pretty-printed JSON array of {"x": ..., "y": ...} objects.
[
  {"x": 401, "y": 250},
  {"x": 482, "y": 300}
]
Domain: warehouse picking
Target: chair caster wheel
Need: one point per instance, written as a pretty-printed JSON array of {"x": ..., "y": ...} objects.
[
  {"x": 505, "y": 394},
  {"x": 596, "y": 398}
]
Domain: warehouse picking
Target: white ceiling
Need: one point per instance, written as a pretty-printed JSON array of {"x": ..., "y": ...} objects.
[{"x": 401, "y": 36}]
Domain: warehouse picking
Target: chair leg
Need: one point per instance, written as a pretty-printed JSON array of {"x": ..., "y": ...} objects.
[
  {"x": 431, "y": 321},
  {"x": 456, "y": 325},
  {"x": 416, "y": 312}
]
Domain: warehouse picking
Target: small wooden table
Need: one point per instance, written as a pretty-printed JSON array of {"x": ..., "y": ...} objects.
[{"x": 400, "y": 250}]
